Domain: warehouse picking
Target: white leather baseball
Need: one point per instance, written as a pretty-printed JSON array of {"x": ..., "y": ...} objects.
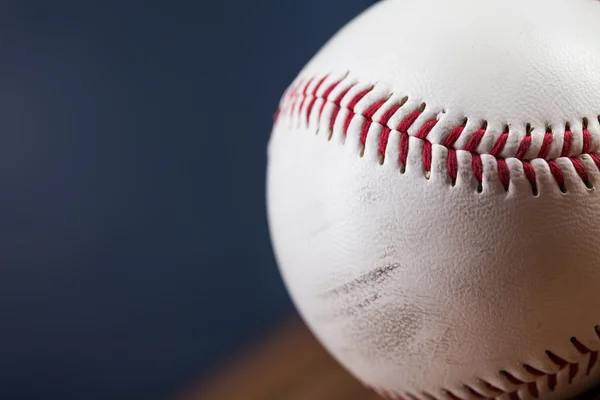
[{"x": 431, "y": 198}]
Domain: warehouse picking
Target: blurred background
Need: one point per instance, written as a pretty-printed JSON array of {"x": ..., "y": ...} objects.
[{"x": 135, "y": 256}]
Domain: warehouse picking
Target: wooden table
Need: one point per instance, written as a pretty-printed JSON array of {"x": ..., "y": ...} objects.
[{"x": 288, "y": 364}]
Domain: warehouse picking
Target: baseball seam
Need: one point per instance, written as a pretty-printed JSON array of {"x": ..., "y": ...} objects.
[
  {"x": 300, "y": 103},
  {"x": 533, "y": 388},
  {"x": 308, "y": 99}
]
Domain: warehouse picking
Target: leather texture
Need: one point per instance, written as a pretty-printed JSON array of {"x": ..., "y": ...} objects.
[{"x": 420, "y": 286}]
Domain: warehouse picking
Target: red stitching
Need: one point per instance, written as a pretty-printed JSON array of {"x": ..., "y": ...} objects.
[
  {"x": 305, "y": 94},
  {"x": 407, "y": 122},
  {"x": 587, "y": 141},
  {"x": 499, "y": 145},
  {"x": 557, "y": 173},
  {"x": 580, "y": 169},
  {"x": 545, "y": 149},
  {"x": 503, "y": 172},
  {"x": 326, "y": 95},
  {"x": 473, "y": 143},
  {"x": 524, "y": 147},
  {"x": 427, "y": 156},
  {"x": 453, "y": 164},
  {"x": 288, "y": 107},
  {"x": 567, "y": 141},
  {"x": 477, "y": 167},
  {"x": 338, "y": 106},
  {"x": 351, "y": 107},
  {"x": 311, "y": 104},
  {"x": 369, "y": 119},
  {"x": 385, "y": 134},
  {"x": 295, "y": 103},
  {"x": 403, "y": 148},
  {"x": 453, "y": 136},
  {"x": 531, "y": 386}
]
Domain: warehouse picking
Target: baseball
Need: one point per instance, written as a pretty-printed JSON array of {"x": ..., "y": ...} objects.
[{"x": 433, "y": 193}]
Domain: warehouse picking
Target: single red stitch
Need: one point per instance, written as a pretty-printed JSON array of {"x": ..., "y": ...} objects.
[
  {"x": 371, "y": 111},
  {"x": 581, "y": 171},
  {"x": 452, "y": 164},
  {"x": 351, "y": 107},
  {"x": 326, "y": 95},
  {"x": 545, "y": 149},
  {"x": 385, "y": 118},
  {"x": 477, "y": 167},
  {"x": 533, "y": 390},
  {"x": 567, "y": 142},
  {"x": 293, "y": 97},
  {"x": 499, "y": 146},
  {"x": 504, "y": 173},
  {"x": 592, "y": 362},
  {"x": 407, "y": 122},
  {"x": 473, "y": 143},
  {"x": 338, "y": 106},
  {"x": 305, "y": 95},
  {"x": 368, "y": 114},
  {"x": 383, "y": 141},
  {"x": 312, "y": 102},
  {"x": 529, "y": 172},
  {"x": 347, "y": 122},
  {"x": 427, "y": 155},
  {"x": 404, "y": 148},
  {"x": 453, "y": 136},
  {"x": 524, "y": 147},
  {"x": 587, "y": 141},
  {"x": 338, "y": 100},
  {"x": 365, "y": 131},
  {"x": 596, "y": 159},
  {"x": 573, "y": 370},
  {"x": 425, "y": 129},
  {"x": 558, "y": 175},
  {"x": 359, "y": 96}
]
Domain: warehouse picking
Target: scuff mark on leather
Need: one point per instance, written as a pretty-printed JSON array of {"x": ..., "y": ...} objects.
[{"x": 375, "y": 276}]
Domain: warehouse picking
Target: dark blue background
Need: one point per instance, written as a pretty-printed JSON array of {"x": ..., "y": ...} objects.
[{"x": 134, "y": 251}]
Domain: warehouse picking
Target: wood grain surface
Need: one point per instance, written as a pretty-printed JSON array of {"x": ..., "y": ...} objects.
[{"x": 288, "y": 364}]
